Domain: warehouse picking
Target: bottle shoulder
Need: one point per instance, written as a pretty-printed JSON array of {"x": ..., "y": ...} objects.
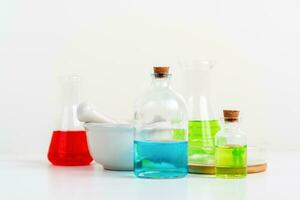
[
  {"x": 231, "y": 137},
  {"x": 162, "y": 105},
  {"x": 231, "y": 133},
  {"x": 154, "y": 97}
]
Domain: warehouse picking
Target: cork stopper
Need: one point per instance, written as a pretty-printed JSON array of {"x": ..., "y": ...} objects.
[
  {"x": 231, "y": 115},
  {"x": 161, "y": 71}
]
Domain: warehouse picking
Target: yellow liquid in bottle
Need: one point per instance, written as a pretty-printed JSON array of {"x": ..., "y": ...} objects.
[{"x": 231, "y": 161}]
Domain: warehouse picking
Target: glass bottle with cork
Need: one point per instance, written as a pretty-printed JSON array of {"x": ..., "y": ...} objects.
[
  {"x": 231, "y": 148},
  {"x": 160, "y": 145}
]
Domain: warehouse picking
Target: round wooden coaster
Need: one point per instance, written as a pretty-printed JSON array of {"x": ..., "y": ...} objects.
[
  {"x": 210, "y": 169},
  {"x": 257, "y": 168}
]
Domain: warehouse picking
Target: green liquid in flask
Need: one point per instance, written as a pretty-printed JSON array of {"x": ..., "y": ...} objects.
[
  {"x": 231, "y": 161},
  {"x": 179, "y": 134},
  {"x": 202, "y": 141}
]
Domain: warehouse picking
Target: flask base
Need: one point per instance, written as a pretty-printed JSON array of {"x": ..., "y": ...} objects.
[
  {"x": 161, "y": 174},
  {"x": 160, "y": 160},
  {"x": 69, "y": 148},
  {"x": 231, "y": 172},
  {"x": 201, "y": 169}
]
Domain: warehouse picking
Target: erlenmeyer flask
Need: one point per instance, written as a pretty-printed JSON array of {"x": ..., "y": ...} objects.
[
  {"x": 202, "y": 125},
  {"x": 68, "y": 145}
]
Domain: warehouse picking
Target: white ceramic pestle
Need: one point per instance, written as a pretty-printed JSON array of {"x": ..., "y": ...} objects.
[{"x": 87, "y": 113}]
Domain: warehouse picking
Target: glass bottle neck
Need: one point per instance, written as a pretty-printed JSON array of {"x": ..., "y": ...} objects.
[
  {"x": 161, "y": 82},
  {"x": 231, "y": 125}
]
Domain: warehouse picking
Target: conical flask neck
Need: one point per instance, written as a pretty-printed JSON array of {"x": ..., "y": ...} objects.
[
  {"x": 197, "y": 81},
  {"x": 71, "y": 92},
  {"x": 71, "y": 98}
]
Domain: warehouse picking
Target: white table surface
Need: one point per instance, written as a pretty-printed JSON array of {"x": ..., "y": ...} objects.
[{"x": 32, "y": 178}]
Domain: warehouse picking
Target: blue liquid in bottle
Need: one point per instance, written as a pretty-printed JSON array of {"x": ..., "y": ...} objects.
[{"x": 160, "y": 159}]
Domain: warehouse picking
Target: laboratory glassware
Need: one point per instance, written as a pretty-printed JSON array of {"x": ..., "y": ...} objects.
[
  {"x": 231, "y": 148},
  {"x": 160, "y": 145},
  {"x": 68, "y": 146},
  {"x": 202, "y": 124}
]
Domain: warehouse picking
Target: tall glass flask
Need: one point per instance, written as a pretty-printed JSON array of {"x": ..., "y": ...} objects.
[
  {"x": 202, "y": 124},
  {"x": 68, "y": 146},
  {"x": 160, "y": 146}
]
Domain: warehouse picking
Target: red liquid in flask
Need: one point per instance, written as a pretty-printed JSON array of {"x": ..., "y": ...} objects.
[{"x": 69, "y": 148}]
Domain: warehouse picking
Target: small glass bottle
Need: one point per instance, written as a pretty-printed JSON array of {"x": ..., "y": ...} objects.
[
  {"x": 231, "y": 148},
  {"x": 160, "y": 145},
  {"x": 68, "y": 146}
]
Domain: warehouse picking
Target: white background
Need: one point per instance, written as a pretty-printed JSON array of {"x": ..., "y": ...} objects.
[{"x": 113, "y": 45}]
